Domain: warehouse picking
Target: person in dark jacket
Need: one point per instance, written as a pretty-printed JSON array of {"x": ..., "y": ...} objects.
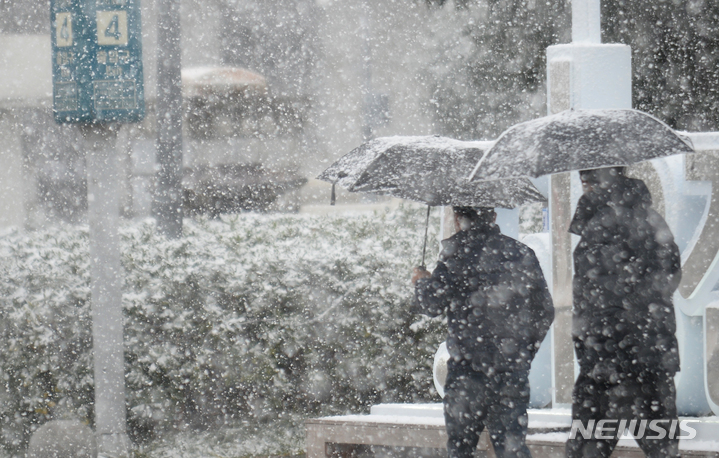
[
  {"x": 626, "y": 269},
  {"x": 498, "y": 309}
]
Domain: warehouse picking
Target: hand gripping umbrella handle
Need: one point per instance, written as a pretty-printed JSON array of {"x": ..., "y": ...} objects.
[{"x": 426, "y": 226}]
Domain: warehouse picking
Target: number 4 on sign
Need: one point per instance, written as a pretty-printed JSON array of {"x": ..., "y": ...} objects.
[{"x": 112, "y": 28}]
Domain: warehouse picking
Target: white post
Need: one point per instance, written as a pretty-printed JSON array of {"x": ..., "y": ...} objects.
[
  {"x": 586, "y": 21},
  {"x": 106, "y": 290}
]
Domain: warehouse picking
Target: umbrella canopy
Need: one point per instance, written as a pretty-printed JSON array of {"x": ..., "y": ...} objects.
[
  {"x": 579, "y": 140},
  {"x": 432, "y": 170}
]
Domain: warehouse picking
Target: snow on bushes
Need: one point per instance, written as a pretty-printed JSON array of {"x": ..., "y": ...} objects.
[{"x": 250, "y": 318}]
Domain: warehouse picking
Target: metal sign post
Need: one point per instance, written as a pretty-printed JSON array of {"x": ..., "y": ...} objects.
[
  {"x": 98, "y": 83},
  {"x": 106, "y": 290}
]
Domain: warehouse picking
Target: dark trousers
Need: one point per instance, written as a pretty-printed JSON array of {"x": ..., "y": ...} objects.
[
  {"x": 649, "y": 396},
  {"x": 474, "y": 400}
]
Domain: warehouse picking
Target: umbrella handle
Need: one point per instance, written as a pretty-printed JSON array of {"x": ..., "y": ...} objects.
[
  {"x": 340, "y": 175},
  {"x": 426, "y": 227}
]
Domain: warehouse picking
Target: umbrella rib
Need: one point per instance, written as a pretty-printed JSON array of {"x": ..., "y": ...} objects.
[
  {"x": 365, "y": 174},
  {"x": 479, "y": 164},
  {"x": 535, "y": 148}
]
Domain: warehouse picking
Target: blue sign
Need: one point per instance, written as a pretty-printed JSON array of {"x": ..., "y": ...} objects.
[{"x": 97, "y": 61}]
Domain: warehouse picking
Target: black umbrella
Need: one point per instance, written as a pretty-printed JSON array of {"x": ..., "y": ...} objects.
[
  {"x": 432, "y": 170},
  {"x": 579, "y": 140}
]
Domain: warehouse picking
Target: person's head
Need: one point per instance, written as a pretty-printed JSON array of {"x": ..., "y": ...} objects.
[
  {"x": 467, "y": 217},
  {"x": 602, "y": 178}
]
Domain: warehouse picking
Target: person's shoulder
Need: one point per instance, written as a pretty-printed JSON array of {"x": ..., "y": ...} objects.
[
  {"x": 637, "y": 193},
  {"x": 511, "y": 241},
  {"x": 662, "y": 234},
  {"x": 513, "y": 245},
  {"x": 450, "y": 246}
]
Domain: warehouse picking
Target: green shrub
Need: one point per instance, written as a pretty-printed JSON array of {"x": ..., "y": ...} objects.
[{"x": 252, "y": 318}]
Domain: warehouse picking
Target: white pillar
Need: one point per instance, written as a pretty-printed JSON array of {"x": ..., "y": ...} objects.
[
  {"x": 106, "y": 290},
  {"x": 586, "y": 21}
]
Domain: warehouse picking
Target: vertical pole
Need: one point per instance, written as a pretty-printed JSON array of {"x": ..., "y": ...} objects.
[
  {"x": 561, "y": 215},
  {"x": 106, "y": 289},
  {"x": 711, "y": 354},
  {"x": 368, "y": 105},
  {"x": 559, "y": 99},
  {"x": 586, "y": 21},
  {"x": 168, "y": 191}
]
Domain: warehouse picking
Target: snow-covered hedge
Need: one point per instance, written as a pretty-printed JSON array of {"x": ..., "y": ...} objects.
[{"x": 251, "y": 318}]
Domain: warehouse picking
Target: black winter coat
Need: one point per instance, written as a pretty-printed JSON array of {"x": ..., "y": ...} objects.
[
  {"x": 496, "y": 299},
  {"x": 626, "y": 268}
]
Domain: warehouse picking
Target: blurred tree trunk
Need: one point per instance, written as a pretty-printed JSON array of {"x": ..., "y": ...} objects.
[{"x": 167, "y": 206}]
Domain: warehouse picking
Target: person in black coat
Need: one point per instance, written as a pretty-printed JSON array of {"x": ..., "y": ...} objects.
[
  {"x": 626, "y": 269},
  {"x": 498, "y": 309}
]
